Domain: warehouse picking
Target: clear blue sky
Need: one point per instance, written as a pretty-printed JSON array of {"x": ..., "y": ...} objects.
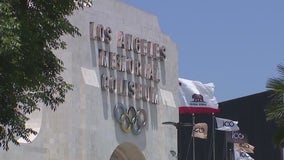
[{"x": 236, "y": 44}]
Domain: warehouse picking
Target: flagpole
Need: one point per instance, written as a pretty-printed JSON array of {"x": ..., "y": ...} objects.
[
  {"x": 231, "y": 154},
  {"x": 213, "y": 134},
  {"x": 193, "y": 141},
  {"x": 226, "y": 147}
]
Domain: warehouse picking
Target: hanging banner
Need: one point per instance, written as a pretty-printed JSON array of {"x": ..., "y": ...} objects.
[
  {"x": 236, "y": 137},
  {"x": 244, "y": 147},
  {"x": 197, "y": 97},
  {"x": 200, "y": 130},
  {"x": 242, "y": 156},
  {"x": 227, "y": 125}
]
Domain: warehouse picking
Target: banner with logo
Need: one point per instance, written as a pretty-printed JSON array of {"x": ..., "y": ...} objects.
[
  {"x": 242, "y": 156},
  {"x": 244, "y": 147},
  {"x": 236, "y": 137},
  {"x": 200, "y": 130},
  {"x": 226, "y": 124},
  {"x": 197, "y": 97}
]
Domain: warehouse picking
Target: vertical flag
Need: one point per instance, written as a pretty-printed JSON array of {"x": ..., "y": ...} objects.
[
  {"x": 226, "y": 124},
  {"x": 200, "y": 130},
  {"x": 197, "y": 97},
  {"x": 241, "y": 155},
  {"x": 236, "y": 137},
  {"x": 244, "y": 147}
]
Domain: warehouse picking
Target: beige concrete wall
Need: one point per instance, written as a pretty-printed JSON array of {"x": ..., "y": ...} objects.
[{"x": 84, "y": 127}]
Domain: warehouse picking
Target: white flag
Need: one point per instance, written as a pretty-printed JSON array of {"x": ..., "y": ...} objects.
[
  {"x": 226, "y": 124},
  {"x": 242, "y": 156},
  {"x": 197, "y": 97}
]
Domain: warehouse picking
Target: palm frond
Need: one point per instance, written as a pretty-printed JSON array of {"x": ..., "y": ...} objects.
[
  {"x": 280, "y": 69},
  {"x": 276, "y": 84},
  {"x": 279, "y": 137},
  {"x": 275, "y": 109}
]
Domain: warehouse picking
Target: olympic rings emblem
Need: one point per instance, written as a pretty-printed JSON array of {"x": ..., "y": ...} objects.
[
  {"x": 244, "y": 155},
  {"x": 244, "y": 145},
  {"x": 131, "y": 119},
  {"x": 199, "y": 130},
  {"x": 228, "y": 123},
  {"x": 238, "y": 136}
]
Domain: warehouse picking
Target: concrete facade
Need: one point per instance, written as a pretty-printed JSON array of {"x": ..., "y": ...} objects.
[{"x": 85, "y": 126}]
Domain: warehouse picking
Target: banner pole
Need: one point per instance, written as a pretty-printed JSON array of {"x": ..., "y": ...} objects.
[
  {"x": 231, "y": 154},
  {"x": 193, "y": 138},
  {"x": 213, "y": 134},
  {"x": 226, "y": 147}
]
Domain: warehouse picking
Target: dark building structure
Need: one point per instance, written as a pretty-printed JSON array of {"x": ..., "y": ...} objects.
[{"x": 249, "y": 112}]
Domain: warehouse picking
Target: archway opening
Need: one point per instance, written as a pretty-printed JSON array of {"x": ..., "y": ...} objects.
[{"x": 127, "y": 151}]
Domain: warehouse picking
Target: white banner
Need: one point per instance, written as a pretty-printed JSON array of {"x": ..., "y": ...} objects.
[
  {"x": 226, "y": 124},
  {"x": 242, "y": 156},
  {"x": 197, "y": 97}
]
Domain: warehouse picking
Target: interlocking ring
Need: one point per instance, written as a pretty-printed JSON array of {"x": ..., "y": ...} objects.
[
  {"x": 119, "y": 110},
  {"x": 244, "y": 145},
  {"x": 130, "y": 120},
  {"x": 244, "y": 155},
  {"x": 228, "y": 123},
  {"x": 237, "y": 136},
  {"x": 199, "y": 130}
]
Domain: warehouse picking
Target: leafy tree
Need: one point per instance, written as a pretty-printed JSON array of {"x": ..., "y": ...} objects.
[
  {"x": 275, "y": 110},
  {"x": 30, "y": 30}
]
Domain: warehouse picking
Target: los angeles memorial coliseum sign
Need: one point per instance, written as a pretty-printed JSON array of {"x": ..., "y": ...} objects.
[{"x": 135, "y": 56}]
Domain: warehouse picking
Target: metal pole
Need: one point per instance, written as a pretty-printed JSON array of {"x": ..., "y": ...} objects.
[
  {"x": 230, "y": 154},
  {"x": 213, "y": 134},
  {"x": 226, "y": 148},
  {"x": 193, "y": 141}
]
